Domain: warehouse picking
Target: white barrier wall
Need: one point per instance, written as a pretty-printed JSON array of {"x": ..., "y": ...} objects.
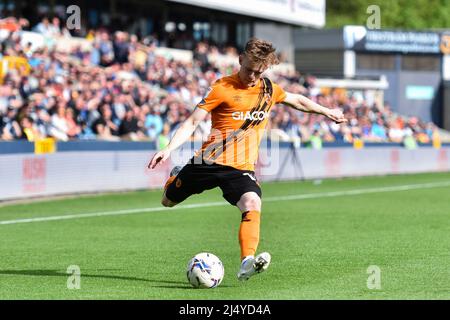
[
  {"x": 347, "y": 162},
  {"x": 29, "y": 175}
]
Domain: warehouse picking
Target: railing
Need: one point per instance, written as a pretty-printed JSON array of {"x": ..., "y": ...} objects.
[{"x": 50, "y": 146}]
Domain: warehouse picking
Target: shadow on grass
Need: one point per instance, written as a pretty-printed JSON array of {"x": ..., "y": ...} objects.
[
  {"x": 56, "y": 273},
  {"x": 186, "y": 287}
]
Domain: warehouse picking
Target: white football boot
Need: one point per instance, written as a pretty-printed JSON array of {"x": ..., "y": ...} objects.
[{"x": 251, "y": 265}]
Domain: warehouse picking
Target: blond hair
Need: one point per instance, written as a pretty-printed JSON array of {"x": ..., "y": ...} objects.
[{"x": 261, "y": 52}]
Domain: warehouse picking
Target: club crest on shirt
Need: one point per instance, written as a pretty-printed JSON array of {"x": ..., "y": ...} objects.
[
  {"x": 267, "y": 97},
  {"x": 237, "y": 98}
]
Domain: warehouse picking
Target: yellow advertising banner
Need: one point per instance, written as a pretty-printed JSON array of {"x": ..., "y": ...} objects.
[{"x": 47, "y": 145}]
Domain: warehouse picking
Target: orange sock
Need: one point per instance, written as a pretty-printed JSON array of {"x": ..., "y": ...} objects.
[
  {"x": 169, "y": 181},
  {"x": 249, "y": 233}
]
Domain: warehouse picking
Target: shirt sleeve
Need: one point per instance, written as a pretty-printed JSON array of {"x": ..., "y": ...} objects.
[
  {"x": 212, "y": 99},
  {"x": 278, "y": 93}
]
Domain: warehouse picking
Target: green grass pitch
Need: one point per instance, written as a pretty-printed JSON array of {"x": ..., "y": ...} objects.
[{"x": 321, "y": 245}]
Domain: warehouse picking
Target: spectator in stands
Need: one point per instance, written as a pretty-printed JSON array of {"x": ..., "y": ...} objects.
[
  {"x": 395, "y": 133},
  {"x": 73, "y": 129},
  {"x": 106, "y": 50},
  {"x": 164, "y": 137},
  {"x": 95, "y": 54},
  {"x": 409, "y": 142},
  {"x": 173, "y": 116},
  {"x": 121, "y": 47},
  {"x": 104, "y": 127},
  {"x": 29, "y": 129},
  {"x": 44, "y": 122},
  {"x": 13, "y": 24},
  {"x": 44, "y": 27},
  {"x": 126, "y": 74},
  {"x": 10, "y": 128},
  {"x": 316, "y": 140},
  {"x": 154, "y": 123},
  {"x": 201, "y": 56},
  {"x": 337, "y": 132},
  {"x": 378, "y": 132},
  {"x": 55, "y": 28},
  {"x": 86, "y": 132},
  {"x": 129, "y": 127},
  {"x": 60, "y": 126},
  {"x": 365, "y": 128}
]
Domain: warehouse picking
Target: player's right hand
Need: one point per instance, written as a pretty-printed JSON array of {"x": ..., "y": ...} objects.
[
  {"x": 336, "y": 115},
  {"x": 159, "y": 157}
]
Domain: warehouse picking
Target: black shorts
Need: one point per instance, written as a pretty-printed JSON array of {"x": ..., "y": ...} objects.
[{"x": 196, "y": 178}]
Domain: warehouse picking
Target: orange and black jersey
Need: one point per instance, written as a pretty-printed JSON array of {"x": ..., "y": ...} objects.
[{"x": 239, "y": 116}]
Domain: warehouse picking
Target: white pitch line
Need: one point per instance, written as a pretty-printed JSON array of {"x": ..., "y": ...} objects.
[{"x": 215, "y": 204}]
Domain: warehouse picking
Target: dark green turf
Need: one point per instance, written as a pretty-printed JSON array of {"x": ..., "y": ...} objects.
[{"x": 321, "y": 248}]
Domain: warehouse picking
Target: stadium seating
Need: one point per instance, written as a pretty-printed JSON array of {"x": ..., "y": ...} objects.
[{"x": 113, "y": 86}]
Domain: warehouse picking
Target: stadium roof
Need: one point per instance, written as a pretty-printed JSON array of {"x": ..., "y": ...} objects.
[{"x": 309, "y": 13}]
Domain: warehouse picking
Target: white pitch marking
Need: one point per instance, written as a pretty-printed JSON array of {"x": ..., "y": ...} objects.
[{"x": 215, "y": 204}]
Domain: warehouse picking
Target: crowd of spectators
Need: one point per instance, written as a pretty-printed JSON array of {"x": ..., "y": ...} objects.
[{"x": 120, "y": 88}]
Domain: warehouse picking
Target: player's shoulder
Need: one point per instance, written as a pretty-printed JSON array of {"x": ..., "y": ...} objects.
[
  {"x": 225, "y": 83},
  {"x": 226, "y": 80},
  {"x": 276, "y": 86}
]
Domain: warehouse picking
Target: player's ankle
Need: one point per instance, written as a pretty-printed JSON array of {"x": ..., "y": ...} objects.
[{"x": 247, "y": 257}]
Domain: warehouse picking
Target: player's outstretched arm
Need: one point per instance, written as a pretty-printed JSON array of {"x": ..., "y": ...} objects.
[
  {"x": 182, "y": 134},
  {"x": 302, "y": 103}
]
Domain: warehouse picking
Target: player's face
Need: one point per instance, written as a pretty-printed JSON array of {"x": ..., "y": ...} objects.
[{"x": 250, "y": 72}]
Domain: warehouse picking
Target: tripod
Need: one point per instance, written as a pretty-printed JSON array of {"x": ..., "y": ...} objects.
[{"x": 296, "y": 160}]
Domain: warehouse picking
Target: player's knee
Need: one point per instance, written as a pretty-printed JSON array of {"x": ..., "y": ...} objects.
[{"x": 252, "y": 202}]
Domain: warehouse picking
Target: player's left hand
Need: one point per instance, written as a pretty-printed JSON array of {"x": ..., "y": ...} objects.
[
  {"x": 158, "y": 158},
  {"x": 336, "y": 115}
]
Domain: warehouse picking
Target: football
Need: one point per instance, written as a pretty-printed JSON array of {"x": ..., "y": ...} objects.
[{"x": 205, "y": 270}]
